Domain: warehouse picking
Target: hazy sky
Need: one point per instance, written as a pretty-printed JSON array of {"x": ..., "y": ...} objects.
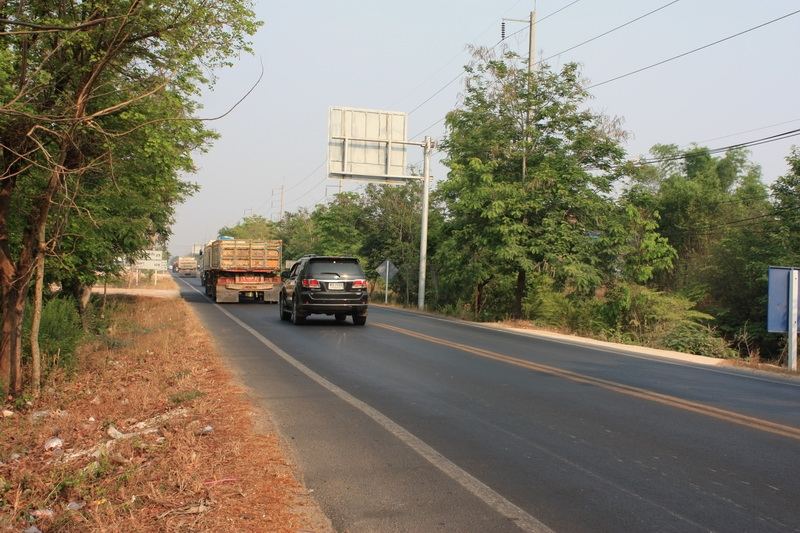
[{"x": 394, "y": 55}]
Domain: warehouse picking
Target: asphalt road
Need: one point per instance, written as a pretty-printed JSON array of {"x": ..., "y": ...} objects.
[{"x": 414, "y": 423}]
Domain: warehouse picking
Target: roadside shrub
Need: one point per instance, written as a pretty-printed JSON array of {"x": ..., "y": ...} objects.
[
  {"x": 59, "y": 334},
  {"x": 546, "y": 306},
  {"x": 690, "y": 337}
]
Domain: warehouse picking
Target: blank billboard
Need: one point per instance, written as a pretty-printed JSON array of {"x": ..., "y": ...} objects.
[{"x": 362, "y": 143}]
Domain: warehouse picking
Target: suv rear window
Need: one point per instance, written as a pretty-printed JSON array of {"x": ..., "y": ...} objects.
[{"x": 335, "y": 269}]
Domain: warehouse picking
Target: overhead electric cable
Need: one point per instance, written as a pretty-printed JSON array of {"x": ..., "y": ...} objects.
[
  {"x": 304, "y": 178},
  {"x": 309, "y": 191},
  {"x": 749, "y": 131},
  {"x": 429, "y": 127},
  {"x": 461, "y": 74},
  {"x": 612, "y": 30},
  {"x": 557, "y": 11},
  {"x": 459, "y": 54},
  {"x": 746, "y": 144},
  {"x": 699, "y": 48},
  {"x": 740, "y": 223}
]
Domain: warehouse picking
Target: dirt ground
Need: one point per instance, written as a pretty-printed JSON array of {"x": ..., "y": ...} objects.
[
  {"x": 145, "y": 281},
  {"x": 150, "y": 434}
]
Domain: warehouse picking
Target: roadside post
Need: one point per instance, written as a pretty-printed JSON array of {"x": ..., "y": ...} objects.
[
  {"x": 369, "y": 145},
  {"x": 782, "y": 307},
  {"x": 387, "y": 270}
]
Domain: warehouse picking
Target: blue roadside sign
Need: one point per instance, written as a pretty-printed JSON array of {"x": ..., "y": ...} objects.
[{"x": 778, "y": 299}]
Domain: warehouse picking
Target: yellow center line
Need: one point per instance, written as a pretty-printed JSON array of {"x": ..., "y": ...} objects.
[{"x": 636, "y": 392}]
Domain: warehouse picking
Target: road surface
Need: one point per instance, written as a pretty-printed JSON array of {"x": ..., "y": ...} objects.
[{"x": 414, "y": 423}]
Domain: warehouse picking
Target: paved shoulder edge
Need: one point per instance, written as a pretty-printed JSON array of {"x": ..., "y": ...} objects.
[{"x": 573, "y": 339}]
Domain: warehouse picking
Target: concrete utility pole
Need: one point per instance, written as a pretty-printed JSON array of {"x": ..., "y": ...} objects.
[
  {"x": 276, "y": 191},
  {"x": 423, "y": 238},
  {"x": 531, "y": 65},
  {"x": 531, "y": 22},
  {"x": 532, "y": 42}
]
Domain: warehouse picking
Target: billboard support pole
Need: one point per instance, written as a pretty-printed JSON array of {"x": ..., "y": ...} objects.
[
  {"x": 423, "y": 238},
  {"x": 791, "y": 345}
]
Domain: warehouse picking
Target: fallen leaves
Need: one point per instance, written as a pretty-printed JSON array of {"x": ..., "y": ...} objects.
[{"x": 109, "y": 449}]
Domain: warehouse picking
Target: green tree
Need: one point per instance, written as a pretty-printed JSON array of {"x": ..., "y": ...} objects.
[
  {"x": 254, "y": 227},
  {"x": 66, "y": 74},
  {"x": 392, "y": 226},
  {"x": 553, "y": 216},
  {"x": 727, "y": 230},
  {"x": 299, "y": 234},
  {"x": 339, "y": 225}
]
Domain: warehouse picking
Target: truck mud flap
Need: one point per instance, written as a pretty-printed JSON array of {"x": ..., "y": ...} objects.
[
  {"x": 272, "y": 295},
  {"x": 224, "y": 295}
]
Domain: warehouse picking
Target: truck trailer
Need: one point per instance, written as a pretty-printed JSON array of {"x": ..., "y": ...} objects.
[
  {"x": 242, "y": 267},
  {"x": 187, "y": 266}
]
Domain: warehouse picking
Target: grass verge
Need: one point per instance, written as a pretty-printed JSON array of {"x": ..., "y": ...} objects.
[{"x": 154, "y": 436}]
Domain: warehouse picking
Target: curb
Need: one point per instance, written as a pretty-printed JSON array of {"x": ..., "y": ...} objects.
[{"x": 574, "y": 339}]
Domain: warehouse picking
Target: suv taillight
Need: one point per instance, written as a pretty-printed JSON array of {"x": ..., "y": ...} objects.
[
  {"x": 360, "y": 284},
  {"x": 310, "y": 283}
]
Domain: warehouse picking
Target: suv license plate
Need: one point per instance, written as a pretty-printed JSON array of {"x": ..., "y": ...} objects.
[{"x": 336, "y": 286}]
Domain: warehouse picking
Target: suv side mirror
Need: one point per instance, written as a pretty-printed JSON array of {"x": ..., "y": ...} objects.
[{"x": 284, "y": 274}]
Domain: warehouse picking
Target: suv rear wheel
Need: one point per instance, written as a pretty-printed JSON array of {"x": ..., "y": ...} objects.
[
  {"x": 285, "y": 315},
  {"x": 359, "y": 319},
  {"x": 297, "y": 317}
]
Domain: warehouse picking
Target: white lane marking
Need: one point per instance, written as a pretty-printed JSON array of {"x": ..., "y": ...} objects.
[
  {"x": 522, "y": 519},
  {"x": 614, "y": 351}
]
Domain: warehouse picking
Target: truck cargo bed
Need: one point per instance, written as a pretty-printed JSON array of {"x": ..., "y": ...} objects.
[{"x": 243, "y": 256}]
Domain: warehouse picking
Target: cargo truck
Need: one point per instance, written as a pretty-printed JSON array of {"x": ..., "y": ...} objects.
[
  {"x": 187, "y": 266},
  {"x": 242, "y": 267}
]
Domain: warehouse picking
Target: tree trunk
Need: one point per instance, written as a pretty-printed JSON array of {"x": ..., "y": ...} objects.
[
  {"x": 13, "y": 307},
  {"x": 480, "y": 296},
  {"x": 6, "y": 341},
  {"x": 36, "y": 356},
  {"x": 81, "y": 293},
  {"x": 516, "y": 311},
  {"x": 105, "y": 293},
  {"x": 15, "y": 276}
]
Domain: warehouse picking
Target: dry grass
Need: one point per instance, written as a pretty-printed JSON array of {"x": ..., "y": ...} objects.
[
  {"x": 128, "y": 280},
  {"x": 155, "y": 359}
]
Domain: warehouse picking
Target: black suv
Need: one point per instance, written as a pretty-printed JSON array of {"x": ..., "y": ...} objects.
[{"x": 324, "y": 285}]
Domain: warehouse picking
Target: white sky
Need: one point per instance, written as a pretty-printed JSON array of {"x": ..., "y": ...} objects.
[{"x": 383, "y": 55}]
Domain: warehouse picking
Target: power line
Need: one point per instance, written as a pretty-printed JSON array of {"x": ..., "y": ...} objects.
[
  {"x": 461, "y": 74},
  {"x": 746, "y": 144},
  {"x": 429, "y": 127},
  {"x": 740, "y": 223},
  {"x": 612, "y": 30},
  {"x": 309, "y": 191},
  {"x": 749, "y": 131},
  {"x": 459, "y": 54},
  {"x": 437, "y": 93},
  {"x": 728, "y": 38},
  {"x": 304, "y": 178},
  {"x": 557, "y": 11}
]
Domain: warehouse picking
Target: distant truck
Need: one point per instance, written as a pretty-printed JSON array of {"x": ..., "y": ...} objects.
[
  {"x": 186, "y": 266},
  {"x": 242, "y": 267}
]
